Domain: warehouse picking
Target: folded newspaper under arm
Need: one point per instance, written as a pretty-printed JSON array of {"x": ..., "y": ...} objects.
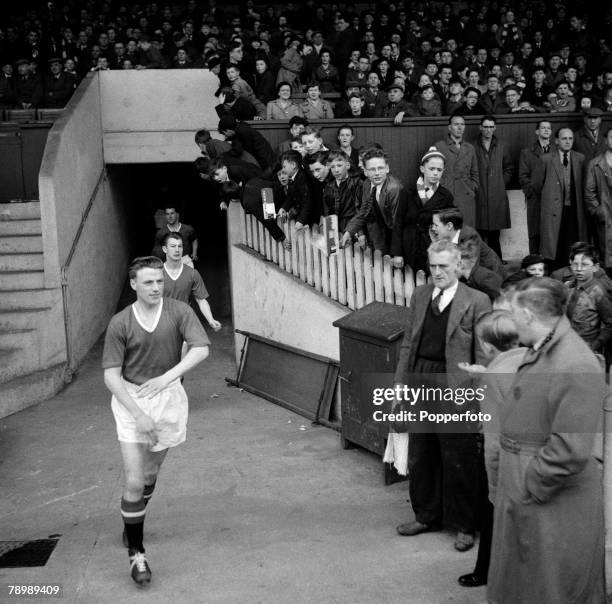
[{"x": 327, "y": 240}]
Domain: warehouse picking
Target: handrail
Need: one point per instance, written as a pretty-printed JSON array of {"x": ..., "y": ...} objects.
[
  {"x": 81, "y": 226},
  {"x": 64, "y": 275}
]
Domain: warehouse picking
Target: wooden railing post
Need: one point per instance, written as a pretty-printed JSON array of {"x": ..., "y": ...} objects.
[{"x": 352, "y": 276}]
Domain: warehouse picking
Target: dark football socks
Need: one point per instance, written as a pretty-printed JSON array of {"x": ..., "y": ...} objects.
[{"x": 133, "y": 513}]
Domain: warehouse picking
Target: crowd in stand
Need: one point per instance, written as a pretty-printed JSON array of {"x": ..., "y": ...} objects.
[
  {"x": 400, "y": 60},
  {"x": 396, "y": 60},
  {"x": 447, "y": 223}
]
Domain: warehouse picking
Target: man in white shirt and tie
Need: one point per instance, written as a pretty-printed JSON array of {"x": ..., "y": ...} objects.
[
  {"x": 446, "y": 469},
  {"x": 380, "y": 199}
]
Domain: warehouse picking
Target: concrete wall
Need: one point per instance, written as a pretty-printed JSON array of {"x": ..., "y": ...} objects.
[
  {"x": 152, "y": 115},
  {"x": 97, "y": 273},
  {"x": 70, "y": 170},
  {"x": 77, "y": 205},
  {"x": 275, "y": 305},
  {"x": 269, "y": 302}
]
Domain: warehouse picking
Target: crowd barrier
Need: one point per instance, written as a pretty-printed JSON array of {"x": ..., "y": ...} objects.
[
  {"x": 353, "y": 276},
  {"x": 406, "y": 144}
]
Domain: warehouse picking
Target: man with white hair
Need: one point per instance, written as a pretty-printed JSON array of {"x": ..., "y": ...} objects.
[{"x": 446, "y": 469}]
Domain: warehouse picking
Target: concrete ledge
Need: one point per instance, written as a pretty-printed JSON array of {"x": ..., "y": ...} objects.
[{"x": 27, "y": 390}]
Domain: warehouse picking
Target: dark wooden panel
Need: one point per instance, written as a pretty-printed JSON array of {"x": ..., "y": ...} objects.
[
  {"x": 407, "y": 143},
  {"x": 289, "y": 377}
]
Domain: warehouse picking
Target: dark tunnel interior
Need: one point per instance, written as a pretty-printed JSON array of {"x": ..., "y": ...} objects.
[{"x": 146, "y": 189}]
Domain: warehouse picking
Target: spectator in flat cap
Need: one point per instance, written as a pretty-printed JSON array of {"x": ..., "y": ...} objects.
[
  {"x": 29, "y": 93},
  {"x": 59, "y": 86},
  {"x": 342, "y": 108},
  {"x": 396, "y": 107},
  {"x": 590, "y": 140}
]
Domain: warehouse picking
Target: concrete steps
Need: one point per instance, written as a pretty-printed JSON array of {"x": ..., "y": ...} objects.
[
  {"x": 28, "y": 298},
  {"x": 32, "y": 338},
  {"x": 20, "y": 211},
  {"x": 26, "y": 390},
  {"x": 20, "y": 318},
  {"x": 15, "y": 261},
  {"x": 21, "y": 246},
  {"x": 20, "y": 227},
  {"x": 21, "y": 243},
  {"x": 10, "y": 280}
]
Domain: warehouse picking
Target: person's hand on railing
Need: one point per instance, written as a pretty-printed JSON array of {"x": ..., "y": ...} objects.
[
  {"x": 362, "y": 241},
  {"x": 397, "y": 262},
  {"x": 282, "y": 214},
  {"x": 346, "y": 239},
  {"x": 398, "y": 118},
  {"x": 258, "y": 118},
  {"x": 299, "y": 226}
]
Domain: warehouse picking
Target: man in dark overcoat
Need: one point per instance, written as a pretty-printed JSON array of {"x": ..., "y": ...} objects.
[
  {"x": 495, "y": 169},
  {"x": 548, "y": 534},
  {"x": 559, "y": 184},
  {"x": 529, "y": 160}
]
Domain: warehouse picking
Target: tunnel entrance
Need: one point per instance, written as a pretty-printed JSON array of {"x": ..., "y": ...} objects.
[{"x": 144, "y": 190}]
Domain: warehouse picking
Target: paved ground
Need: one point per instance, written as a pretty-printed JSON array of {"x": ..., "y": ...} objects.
[{"x": 256, "y": 506}]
